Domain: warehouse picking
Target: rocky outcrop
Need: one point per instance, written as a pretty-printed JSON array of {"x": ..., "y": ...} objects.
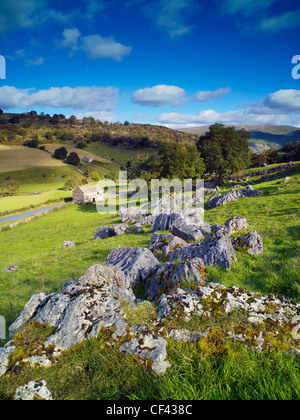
[
  {"x": 232, "y": 195},
  {"x": 136, "y": 263},
  {"x": 251, "y": 243},
  {"x": 172, "y": 275},
  {"x": 236, "y": 224},
  {"x": 165, "y": 242},
  {"x": 104, "y": 232},
  {"x": 33, "y": 391},
  {"x": 215, "y": 249}
]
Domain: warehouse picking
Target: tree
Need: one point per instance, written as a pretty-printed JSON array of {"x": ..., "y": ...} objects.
[
  {"x": 224, "y": 150},
  {"x": 173, "y": 160},
  {"x": 60, "y": 153},
  {"x": 73, "y": 159},
  {"x": 32, "y": 143},
  {"x": 9, "y": 187},
  {"x": 258, "y": 160},
  {"x": 1, "y": 111},
  {"x": 95, "y": 176}
]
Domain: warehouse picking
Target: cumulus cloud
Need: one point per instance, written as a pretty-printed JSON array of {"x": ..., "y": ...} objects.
[
  {"x": 98, "y": 47},
  {"x": 203, "y": 96},
  {"x": 283, "y": 101},
  {"x": 94, "y": 45},
  {"x": 98, "y": 115},
  {"x": 90, "y": 98},
  {"x": 277, "y": 23},
  {"x": 160, "y": 95},
  {"x": 281, "y": 107},
  {"x": 246, "y": 7},
  {"x": 170, "y": 16}
]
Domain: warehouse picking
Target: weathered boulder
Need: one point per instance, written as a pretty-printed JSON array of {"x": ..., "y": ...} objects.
[
  {"x": 215, "y": 249},
  {"x": 221, "y": 200},
  {"x": 149, "y": 346},
  {"x": 33, "y": 391},
  {"x": 165, "y": 242},
  {"x": 104, "y": 232},
  {"x": 172, "y": 275},
  {"x": 161, "y": 222},
  {"x": 251, "y": 243},
  {"x": 236, "y": 224},
  {"x": 232, "y": 195},
  {"x": 68, "y": 244},
  {"x": 10, "y": 269},
  {"x": 120, "y": 228},
  {"x": 188, "y": 232},
  {"x": 136, "y": 263}
]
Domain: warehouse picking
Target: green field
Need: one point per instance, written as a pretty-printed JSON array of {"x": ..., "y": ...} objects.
[
  {"x": 17, "y": 158},
  {"x": 90, "y": 372}
]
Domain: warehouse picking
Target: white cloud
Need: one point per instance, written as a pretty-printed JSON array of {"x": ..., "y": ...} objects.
[
  {"x": 98, "y": 47},
  {"x": 160, "y": 95},
  {"x": 71, "y": 37},
  {"x": 37, "y": 62},
  {"x": 170, "y": 16},
  {"x": 277, "y": 23},
  {"x": 283, "y": 101},
  {"x": 203, "y": 96},
  {"x": 94, "y": 45},
  {"x": 246, "y": 7},
  {"x": 98, "y": 115},
  {"x": 90, "y": 98}
]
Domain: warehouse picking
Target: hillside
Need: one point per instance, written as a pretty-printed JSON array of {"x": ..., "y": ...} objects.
[
  {"x": 211, "y": 367},
  {"x": 262, "y": 136}
]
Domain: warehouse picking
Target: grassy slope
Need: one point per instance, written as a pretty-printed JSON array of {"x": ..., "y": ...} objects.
[
  {"x": 90, "y": 372},
  {"x": 18, "y": 158}
]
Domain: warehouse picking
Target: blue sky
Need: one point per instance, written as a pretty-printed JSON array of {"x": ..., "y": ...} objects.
[{"x": 179, "y": 63}]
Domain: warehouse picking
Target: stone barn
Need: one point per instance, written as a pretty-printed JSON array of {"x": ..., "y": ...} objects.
[{"x": 87, "y": 194}]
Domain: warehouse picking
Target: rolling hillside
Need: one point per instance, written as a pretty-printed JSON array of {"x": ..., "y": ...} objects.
[{"x": 262, "y": 136}]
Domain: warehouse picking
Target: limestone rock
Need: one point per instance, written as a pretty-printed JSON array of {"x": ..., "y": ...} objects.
[
  {"x": 68, "y": 244},
  {"x": 104, "y": 232},
  {"x": 136, "y": 263},
  {"x": 171, "y": 275},
  {"x": 165, "y": 242},
  {"x": 235, "y": 224},
  {"x": 10, "y": 268},
  {"x": 215, "y": 249},
  {"x": 149, "y": 346},
  {"x": 251, "y": 242},
  {"x": 33, "y": 391}
]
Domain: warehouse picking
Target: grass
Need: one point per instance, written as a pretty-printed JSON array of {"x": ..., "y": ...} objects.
[
  {"x": 91, "y": 372},
  {"x": 18, "y": 158},
  {"x": 9, "y": 205}
]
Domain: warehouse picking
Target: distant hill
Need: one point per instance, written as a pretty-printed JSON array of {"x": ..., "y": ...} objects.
[{"x": 262, "y": 136}]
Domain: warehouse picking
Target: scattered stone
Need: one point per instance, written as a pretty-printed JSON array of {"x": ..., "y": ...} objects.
[
  {"x": 188, "y": 232},
  {"x": 149, "y": 346},
  {"x": 251, "y": 242},
  {"x": 33, "y": 391},
  {"x": 215, "y": 249},
  {"x": 10, "y": 269},
  {"x": 172, "y": 275},
  {"x": 104, "y": 232},
  {"x": 232, "y": 195},
  {"x": 165, "y": 242},
  {"x": 161, "y": 222},
  {"x": 68, "y": 244},
  {"x": 236, "y": 224},
  {"x": 120, "y": 228},
  {"x": 136, "y": 263}
]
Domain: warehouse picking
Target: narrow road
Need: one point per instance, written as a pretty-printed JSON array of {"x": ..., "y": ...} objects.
[{"x": 29, "y": 213}]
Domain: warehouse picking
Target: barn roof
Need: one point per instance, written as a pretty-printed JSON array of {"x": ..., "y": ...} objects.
[{"x": 89, "y": 188}]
